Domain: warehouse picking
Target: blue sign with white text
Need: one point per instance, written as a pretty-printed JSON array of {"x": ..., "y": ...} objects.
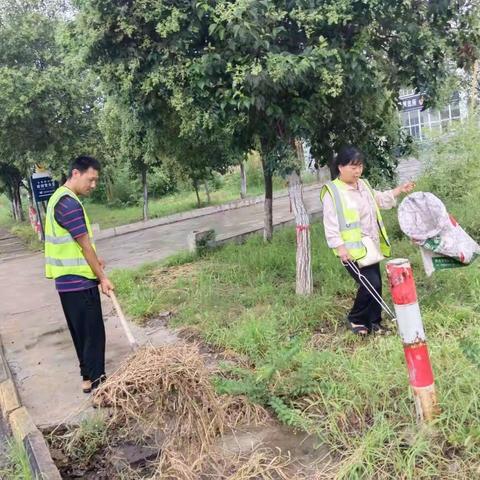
[{"x": 43, "y": 188}]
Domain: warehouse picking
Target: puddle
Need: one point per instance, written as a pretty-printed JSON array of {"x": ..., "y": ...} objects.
[{"x": 302, "y": 448}]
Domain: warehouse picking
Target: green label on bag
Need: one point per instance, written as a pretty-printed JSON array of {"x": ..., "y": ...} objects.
[
  {"x": 442, "y": 263},
  {"x": 432, "y": 243}
]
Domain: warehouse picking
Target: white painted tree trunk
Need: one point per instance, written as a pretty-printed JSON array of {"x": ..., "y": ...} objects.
[{"x": 304, "y": 282}]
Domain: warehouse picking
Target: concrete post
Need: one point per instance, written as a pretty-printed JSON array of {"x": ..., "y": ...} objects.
[
  {"x": 410, "y": 327},
  {"x": 200, "y": 239}
]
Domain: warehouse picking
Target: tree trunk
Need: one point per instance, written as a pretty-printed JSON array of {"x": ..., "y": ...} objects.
[
  {"x": 109, "y": 188},
  {"x": 304, "y": 282},
  {"x": 243, "y": 179},
  {"x": 474, "y": 86},
  {"x": 207, "y": 191},
  {"x": 332, "y": 167},
  {"x": 145, "y": 194},
  {"x": 10, "y": 197},
  {"x": 300, "y": 153},
  {"x": 195, "y": 186},
  {"x": 268, "y": 206},
  {"x": 17, "y": 202}
]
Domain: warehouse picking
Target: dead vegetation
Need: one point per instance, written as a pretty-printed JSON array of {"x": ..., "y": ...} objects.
[
  {"x": 163, "y": 398},
  {"x": 168, "y": 276}
]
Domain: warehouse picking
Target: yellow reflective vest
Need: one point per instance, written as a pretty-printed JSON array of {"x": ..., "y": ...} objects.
[
  {"x": 63, "y": 255},
  {"x": 349, "y": 220}
]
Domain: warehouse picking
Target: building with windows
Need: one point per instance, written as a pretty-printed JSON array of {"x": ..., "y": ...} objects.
[{"x": 421, "y": 123}]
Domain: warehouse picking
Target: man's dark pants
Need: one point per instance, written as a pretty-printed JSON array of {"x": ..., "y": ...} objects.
[
  {"x": 366, "y": 310},
  {"x": 83, "y": 312}
]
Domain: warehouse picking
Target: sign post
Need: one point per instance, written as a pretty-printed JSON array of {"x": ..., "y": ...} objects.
[{"x": 43, "y": 187}]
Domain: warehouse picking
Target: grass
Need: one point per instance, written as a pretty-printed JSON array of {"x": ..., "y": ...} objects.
[
  {"x": 26, "y": 234},
  {"x": 314, "y": 374},
  {"x": 86, "y": 440},
  {"x": 22, "y": 230},
  {"x": 6, "y": 220},
  {"x": 18, "y": 467}
]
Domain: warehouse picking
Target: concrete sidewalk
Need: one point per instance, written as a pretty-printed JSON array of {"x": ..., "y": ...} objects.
[{"x": 36, "y": 340}]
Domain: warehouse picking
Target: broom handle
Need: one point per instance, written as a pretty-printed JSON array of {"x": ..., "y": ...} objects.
[{"x": 123, "y": 321}]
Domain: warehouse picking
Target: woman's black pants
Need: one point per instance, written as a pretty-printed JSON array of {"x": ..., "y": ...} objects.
[{"x": 366, "y": 310}]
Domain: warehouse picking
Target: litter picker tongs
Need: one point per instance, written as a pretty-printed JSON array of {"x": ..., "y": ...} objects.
[{"x": 365, "y": 282}]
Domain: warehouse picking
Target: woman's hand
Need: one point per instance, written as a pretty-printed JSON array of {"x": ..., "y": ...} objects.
[
  {"x": 405, "y": 188},
  {"x": 343, "y": 254}
]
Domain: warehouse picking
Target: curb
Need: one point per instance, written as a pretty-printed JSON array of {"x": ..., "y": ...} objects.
[
  {"x": 201, "y": 212},
  {"x": 23, "y": 427},
  {"x": 242, "y": 236}
]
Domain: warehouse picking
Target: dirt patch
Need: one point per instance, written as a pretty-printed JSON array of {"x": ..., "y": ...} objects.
[{"x": 167, "y": 276}]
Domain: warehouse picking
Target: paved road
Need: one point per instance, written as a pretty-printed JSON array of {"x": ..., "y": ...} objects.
[
  {"x": 37, "y": 343},
  {"x": 159, "y": 242}
]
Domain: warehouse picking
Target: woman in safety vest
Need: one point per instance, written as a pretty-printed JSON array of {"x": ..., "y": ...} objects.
[{"x": 355, "y": 231}]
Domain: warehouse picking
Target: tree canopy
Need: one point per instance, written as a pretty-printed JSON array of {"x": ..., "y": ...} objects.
[
  {"x": 274, "y": 71},
  {"x": 202, "y": 82}
]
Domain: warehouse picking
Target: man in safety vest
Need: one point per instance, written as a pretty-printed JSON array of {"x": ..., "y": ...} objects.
[{"x": 71, "y": 259}]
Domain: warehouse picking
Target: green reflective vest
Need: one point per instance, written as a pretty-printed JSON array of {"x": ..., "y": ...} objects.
[
  {"x": 349, "y": 220},
  {"x": 63, "y": 255}
]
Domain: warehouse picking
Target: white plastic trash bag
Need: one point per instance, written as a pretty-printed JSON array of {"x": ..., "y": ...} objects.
[{"x": 443, "y": 242}]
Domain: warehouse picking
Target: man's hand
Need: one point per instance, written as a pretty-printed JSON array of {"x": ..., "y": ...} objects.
[
  {"x": 405, "y": 188},
  {"x": 106, "y": 286},
  {"x": 343, "y": 254}
]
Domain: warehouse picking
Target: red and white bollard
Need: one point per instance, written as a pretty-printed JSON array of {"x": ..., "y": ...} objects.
[{"x": 410, "y": 327}]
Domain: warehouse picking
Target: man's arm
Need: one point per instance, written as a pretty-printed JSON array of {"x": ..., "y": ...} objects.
[{"x": 95, "y": 265}]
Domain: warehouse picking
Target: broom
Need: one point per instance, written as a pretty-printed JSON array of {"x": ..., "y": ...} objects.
[{"x": 126, "y": 328}]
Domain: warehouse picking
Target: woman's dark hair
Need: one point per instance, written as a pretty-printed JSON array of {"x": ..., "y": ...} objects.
[
  {"x": 83, "y": 163},
  {"x": 348, "y": 155}
]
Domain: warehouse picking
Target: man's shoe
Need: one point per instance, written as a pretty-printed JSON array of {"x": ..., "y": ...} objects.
[{"x": 86, "y": 386}]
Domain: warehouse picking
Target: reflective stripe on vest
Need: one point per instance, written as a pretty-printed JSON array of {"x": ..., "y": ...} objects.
[
  {"x": 349, "y": 221},
  {"x": 63, "y": 255},
  {"x": 65, "y": 262},
  {"x": 58, "y": 240}
]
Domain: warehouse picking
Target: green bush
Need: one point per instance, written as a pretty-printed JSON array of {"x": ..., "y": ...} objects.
[
  {"x": 453, "y": 173},
  {"x": 126, "y": 188}
]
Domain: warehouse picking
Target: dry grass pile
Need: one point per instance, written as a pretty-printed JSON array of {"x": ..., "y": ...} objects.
[
  {"x": 165, "y": 388},
  {"x": 168, "y": 390},
  {"x": 261, "y": 464}
]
